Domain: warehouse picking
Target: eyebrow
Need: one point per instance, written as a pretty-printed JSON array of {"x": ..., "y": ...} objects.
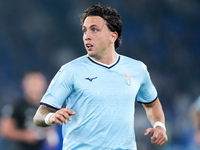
[
  {"x": 94, "y": 25},
  {"x": 91, "y": 26}
]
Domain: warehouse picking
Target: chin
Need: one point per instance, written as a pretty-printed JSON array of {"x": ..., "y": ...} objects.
[{"x": 91, "y": 54}]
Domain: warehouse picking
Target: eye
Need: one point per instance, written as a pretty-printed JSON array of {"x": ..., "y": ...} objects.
[
  {"x": 94, "y": 30},
  {"x": 83, "y": 30}
]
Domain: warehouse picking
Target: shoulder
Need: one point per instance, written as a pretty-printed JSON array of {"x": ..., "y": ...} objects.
[
  {"x": 70, "y": 68},
  {"x": 133, "y": 62},
  {"x": 74, "y": 64},
  {"x": 20, "y": 102},
  {"x": 17, "y": 106}
]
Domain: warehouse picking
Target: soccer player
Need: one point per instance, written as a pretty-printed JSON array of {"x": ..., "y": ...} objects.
[
  {"x": 16, "y": 123},
  {"x": 100, "y": 90}
]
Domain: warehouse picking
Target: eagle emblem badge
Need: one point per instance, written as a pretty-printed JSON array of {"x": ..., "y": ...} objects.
[{"x": 128, "y": 78}]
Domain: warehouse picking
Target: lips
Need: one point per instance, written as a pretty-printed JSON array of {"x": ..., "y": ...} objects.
[{"x": 88, "y": 45}]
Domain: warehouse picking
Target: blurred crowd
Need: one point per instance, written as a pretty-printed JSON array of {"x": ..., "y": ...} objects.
[{"x": 45, "y": 34}]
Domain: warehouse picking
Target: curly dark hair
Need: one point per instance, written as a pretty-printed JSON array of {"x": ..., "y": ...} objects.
[{"x": 111, "y": 16}]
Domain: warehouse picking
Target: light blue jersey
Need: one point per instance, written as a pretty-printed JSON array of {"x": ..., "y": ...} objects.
[{"x": 104, "y": 101}]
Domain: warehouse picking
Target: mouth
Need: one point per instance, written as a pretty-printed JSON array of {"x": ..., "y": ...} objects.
[{"x": 89, "y": 46}]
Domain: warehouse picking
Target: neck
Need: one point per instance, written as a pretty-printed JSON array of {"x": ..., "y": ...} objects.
[{"x": 107, "y": 59}]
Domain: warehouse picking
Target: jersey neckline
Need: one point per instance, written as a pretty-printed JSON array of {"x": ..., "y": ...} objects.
[{"x": 104, "y": 65}]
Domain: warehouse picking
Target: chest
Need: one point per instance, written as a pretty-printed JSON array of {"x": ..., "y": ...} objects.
[
  {"x": 107, "y": 83},
  {"x": 24, "y": 116}
]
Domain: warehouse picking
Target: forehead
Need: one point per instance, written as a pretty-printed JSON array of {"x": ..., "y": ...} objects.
[{"x": 93, "y": 20}]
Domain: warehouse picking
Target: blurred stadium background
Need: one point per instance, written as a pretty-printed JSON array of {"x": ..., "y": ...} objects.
[{"x": 164, "y": 34}]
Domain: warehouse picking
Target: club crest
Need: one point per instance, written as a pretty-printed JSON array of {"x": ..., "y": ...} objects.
[{"x": 128, "y": 78}]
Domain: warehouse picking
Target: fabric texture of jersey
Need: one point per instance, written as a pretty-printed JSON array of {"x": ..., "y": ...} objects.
[{"x": 104, "y": 101}]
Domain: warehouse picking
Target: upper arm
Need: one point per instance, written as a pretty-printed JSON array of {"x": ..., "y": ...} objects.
[
  {"x": 152, "y": 104},
  {"x": 195, "y": 117},
  {"x": 7, "y": 126}
]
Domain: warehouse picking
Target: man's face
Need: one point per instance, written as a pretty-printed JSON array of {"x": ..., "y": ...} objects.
[
  {"x": 97, "y": 38},
  {"x": 34, "y": 86}
]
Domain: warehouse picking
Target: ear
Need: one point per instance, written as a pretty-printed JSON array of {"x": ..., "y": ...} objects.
[{"x": 114, "y": 36}]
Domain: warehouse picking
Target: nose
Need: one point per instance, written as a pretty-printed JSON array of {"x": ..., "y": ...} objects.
[{"x": 86, "y": 36}]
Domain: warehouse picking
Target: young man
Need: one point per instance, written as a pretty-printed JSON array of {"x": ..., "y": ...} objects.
[{"x": 100, "y": 91}]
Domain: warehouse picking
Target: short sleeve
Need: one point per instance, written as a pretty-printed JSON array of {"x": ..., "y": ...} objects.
[
  {"x": 147, "y": 92},
  {"x": 60, "y": 88}
]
